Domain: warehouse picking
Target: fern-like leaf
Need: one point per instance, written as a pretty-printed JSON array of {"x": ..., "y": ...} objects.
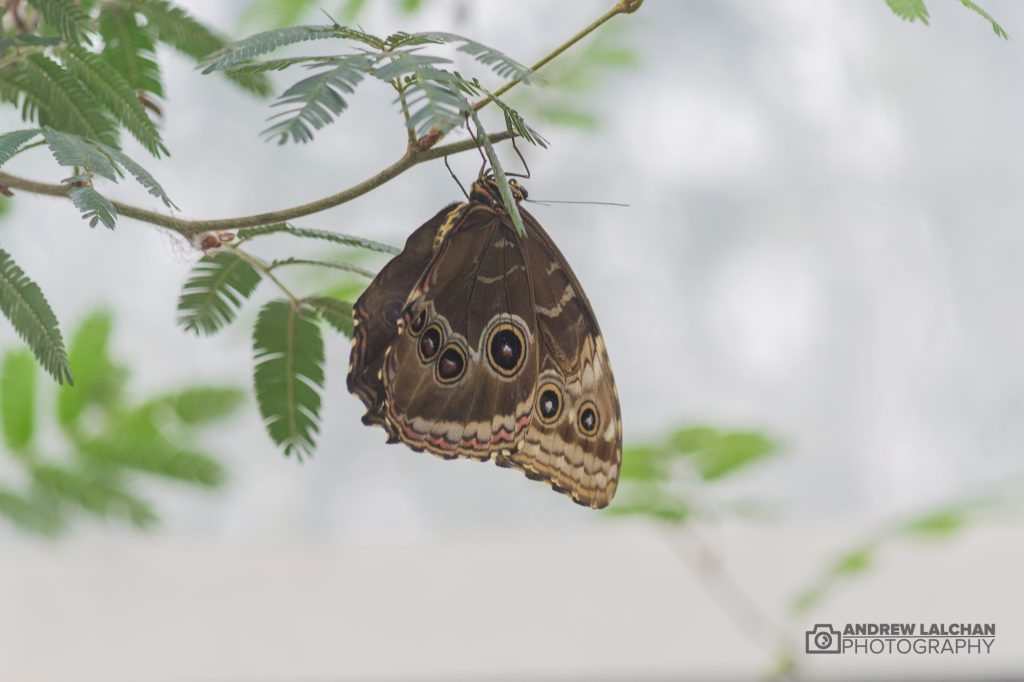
[
  {"x": 76, "y": 152},
  {"x": 18, "y": 399},
  {"x": 24, "y": 305},
  {"x": 98, "y": 380},
  {"x": 137, "y": 443},
  {"x": 262, "y": 43},
  {"x": 56, "y": 99},
  {"x": 247, "y": 233},
  {"x": 514, "y": 122},
  {"x": 498, "y": 61},
  {"x": 434, "y": 96},
  {"x": 11, "y": 143},
  {"x": 257, "y": 66},
  {"x": 94, "y": 207},
  {"x": 116, "y": 94},
  {"x": 203, "y": 404},
  {"x": 141, "y": 175},
  {"x": 94, "y": 492},
  {"x": 996, "y": 28},
  {"x": 315, "y": 101},
  {"x": 215, "y": 291},
  {"x": 910, "y": 10},
  {"x": 177, "y": 28},
  {"x": 129, "y": 48},
  {"x": 30, "y": 514},
  {"x": 336, "y": 313},
  {"x": 289, "y": 354},
  {"x": 499, "y": 175},
  {"x": 70, "y": 21}
]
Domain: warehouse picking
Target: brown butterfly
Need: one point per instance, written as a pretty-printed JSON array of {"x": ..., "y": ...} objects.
[{"x": 476, "y": 342}]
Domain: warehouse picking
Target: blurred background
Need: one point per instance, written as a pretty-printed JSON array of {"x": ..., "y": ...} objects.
[{"x": 812, "y": 306}]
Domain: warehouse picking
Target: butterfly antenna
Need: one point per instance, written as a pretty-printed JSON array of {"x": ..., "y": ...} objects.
[
  {"x": 521, "y": 158},
  {"x": 548, "y": 202},
  {"x": 455, "y": 178}
]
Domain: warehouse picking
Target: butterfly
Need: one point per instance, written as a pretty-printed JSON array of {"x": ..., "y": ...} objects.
[{"x": 475, "y": 342}]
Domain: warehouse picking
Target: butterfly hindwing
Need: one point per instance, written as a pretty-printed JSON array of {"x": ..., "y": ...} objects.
[{"x": 476, "y": 342}]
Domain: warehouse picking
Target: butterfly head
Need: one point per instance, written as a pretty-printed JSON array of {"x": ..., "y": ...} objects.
[{"x": 485, "y": 190}]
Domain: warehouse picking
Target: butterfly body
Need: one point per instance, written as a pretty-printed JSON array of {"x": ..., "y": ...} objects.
[{"x": 476, "y": 342}]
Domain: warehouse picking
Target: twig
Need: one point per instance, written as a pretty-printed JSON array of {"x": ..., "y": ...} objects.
[
  {"x": 621, "y": 7},
  {"x": 732, "y": 598},
  {"x": 347, "y": 267},
  {"x": 187, "y": 228}
]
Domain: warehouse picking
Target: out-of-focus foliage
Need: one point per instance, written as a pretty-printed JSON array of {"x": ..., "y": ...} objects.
[
  {"x": 109, "y": 443},
  {"x": 916, "y": 10},
  {"x": 660, "y": 479},
  {"x": 942, "y": 522}
]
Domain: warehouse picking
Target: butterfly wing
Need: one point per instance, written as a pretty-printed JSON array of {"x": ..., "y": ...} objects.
[
  {"x": 460, "y": 375},
  {"x": 375, "y": 314},
  {"x": 477, "y": 343},
  {"x": 574, "y": 438}
]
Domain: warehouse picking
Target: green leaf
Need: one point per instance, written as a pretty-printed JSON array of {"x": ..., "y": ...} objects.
[
  {"x": 18, "y": 399},
  {"x": 128, "y": 48},
  {"x": 305, "y": 233},
  {"x": 498, "y": 61},
  {"x": 276, "y": 64},
  {"x": 24, "y": 305},
  {"x": 50, "y": 95},
  {"x": 694, "y": 438},
  {"x": 910, "y": 10},
  {"x": 262, "y": 43},
  {"x": 336, "y": 313},
  {"x": 434, "y": 96},
  {"x": 177, "y": 28},
  {"x": 95, "y": 207},
  {"x": 98, "y": 380},
  {"x": 116, "y": 94},
  {"x": 499, "y": 175},
  {"x": 644, "y": 463},
  {"x": 941, "y": 523},
  {"x": 30, "y": 514},
  {"x": 732, "y": 452},
  {"x": 854, "y": 562},
  {"x": 289, "y": 354},
  {"x": 11, "y": 143},
  {"x": 514, "y": 122},
  {"x": 203, "y": 404},
  {"x": 215, "y": 291},
  {"x": 314, "y": 102},
  {"x": 140, "y": 174},
  {"x": 66, "y": 17},
  {"x": 996, "y": 28},
  {"x": 135, "y": 442},
  {"x": 74, "y": 151},
  {"x": 94, "y": 493},
  {"x": 650, "y": 501}
]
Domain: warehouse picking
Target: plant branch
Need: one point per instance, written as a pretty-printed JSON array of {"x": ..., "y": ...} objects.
[{"x": 188, "y": 228}]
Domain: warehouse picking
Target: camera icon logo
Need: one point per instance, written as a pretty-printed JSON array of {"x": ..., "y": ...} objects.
[{"x": 823, "y": 639}]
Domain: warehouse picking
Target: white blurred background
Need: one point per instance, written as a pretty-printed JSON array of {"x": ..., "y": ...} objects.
[{"x": 822, "y": 243}]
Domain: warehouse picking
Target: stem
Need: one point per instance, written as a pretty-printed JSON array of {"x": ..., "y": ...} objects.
[
  {"x": 347, "y": 267},
  {"x": 188, "y": 228},
  {"x": 733, "y": 599},
  {"x": 621, "y": 7},
  {"x": 267, "y": 269}
]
